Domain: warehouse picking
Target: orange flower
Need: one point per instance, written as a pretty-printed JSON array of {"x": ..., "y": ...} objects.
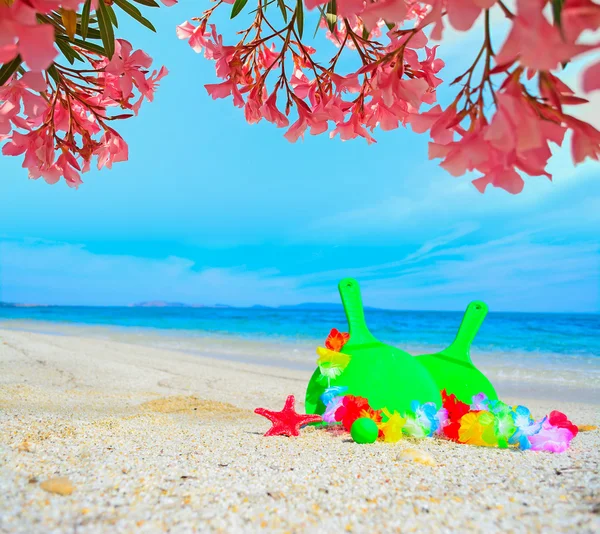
[{"x": 336, "y": 340}]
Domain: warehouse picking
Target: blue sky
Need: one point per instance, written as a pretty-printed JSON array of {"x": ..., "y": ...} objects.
[{"x": 212, "y": 210}]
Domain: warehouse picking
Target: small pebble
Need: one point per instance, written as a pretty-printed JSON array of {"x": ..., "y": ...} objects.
[
  {"x": 415, "y": 455},
  {"x": 61, "y": 485}
]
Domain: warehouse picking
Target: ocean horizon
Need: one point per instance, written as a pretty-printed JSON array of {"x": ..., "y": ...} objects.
[{"x": 574, "y": 336}]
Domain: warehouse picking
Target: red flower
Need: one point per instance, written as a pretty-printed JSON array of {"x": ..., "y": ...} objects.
[
  {"x": 336, "y": 340},
  {"x": 351, "y": 409},
  {"x": 560, "y": 420},
  {"x": 456, "y": 409},
  {"x": 451, "y": 430}
]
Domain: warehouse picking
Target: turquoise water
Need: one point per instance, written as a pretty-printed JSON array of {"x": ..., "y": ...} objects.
[{"x": 559, "y": 336}]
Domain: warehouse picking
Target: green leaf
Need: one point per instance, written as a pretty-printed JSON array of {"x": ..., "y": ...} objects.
[
  {"x": 149, "y": 3},
  {"x": 135, "y": 13},
  {"x": 54, "y": 74},
  {"x": 300, "y": 18},
  {"x": 283, "y": 9},
  {"x": 237, "y": 7},
  {"x": 112, "y": 15},
  {"x": 390, "y": 25},
  {"x": 85, "y": 19},
  {"x": 87, "y": 45},
  {"x": 365, "y": 34},
  {"x": 331, "y": 16},
  {"x": 67, "y": 51},
  {"x": 92, "y": 33},
  {"x": 557, "y": 6},
  {"x": 106, "y": 29},
  {"x": 8, "y": 69}
]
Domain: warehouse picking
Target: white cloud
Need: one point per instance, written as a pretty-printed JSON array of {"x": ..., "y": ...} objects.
[{"x": 516, "y": 272}]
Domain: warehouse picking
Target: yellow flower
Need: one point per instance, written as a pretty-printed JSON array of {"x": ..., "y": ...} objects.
[
  {"x": 477, "y": 428},
  {"x": 331, "y": 363},
  {"x": 392, "y": 427}
]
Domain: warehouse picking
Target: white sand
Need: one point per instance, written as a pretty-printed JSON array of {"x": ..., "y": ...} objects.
[{"x": 144, "y": 438}]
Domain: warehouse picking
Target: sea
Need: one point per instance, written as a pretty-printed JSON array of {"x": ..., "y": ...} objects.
[{"x": 513, "y": 346}]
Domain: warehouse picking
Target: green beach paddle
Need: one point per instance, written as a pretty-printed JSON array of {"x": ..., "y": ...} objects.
[
  {"x": 452, "y": 368},
  {"x": 388, "y": 377}
]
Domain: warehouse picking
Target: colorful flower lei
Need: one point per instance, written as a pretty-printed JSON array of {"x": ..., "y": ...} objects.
[{"x": 486, "y": 422}]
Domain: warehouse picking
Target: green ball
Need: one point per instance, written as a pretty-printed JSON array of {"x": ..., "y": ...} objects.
[{"x": 364, "y": 430}]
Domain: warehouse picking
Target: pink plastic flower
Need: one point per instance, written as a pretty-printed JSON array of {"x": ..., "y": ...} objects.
[{"x": 551, "y": 439}]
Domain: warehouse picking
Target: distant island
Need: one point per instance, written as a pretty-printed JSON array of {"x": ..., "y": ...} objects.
[
  {"x": 165, "y": 304},
  {"x": 21, "y": 305},
  {"x": 307, "y": 306}
]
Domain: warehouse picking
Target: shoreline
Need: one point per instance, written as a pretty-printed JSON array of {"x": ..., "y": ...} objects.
[
  {"x": 509, "y": 371},
  {"x": 153, "y": 440}
]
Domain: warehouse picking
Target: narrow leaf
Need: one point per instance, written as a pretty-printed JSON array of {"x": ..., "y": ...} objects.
[
  {"x": 69, "y": 19},
  {"x": 54, "y": 73},
  {"x": 112, "y": 15},
  {"x": 8, "y": 69},
  {"x": 300, "y": 18},
  {"x": 331, "y": 15},
  {"x": 106, "y": 29},
  {"x": 283, "y": 9},
  {"x": 87, "y": 45},
  {"x": 67, "y": 51},
  {"x": 557, "y": 6},
  {"x": 149, "y": 3},
  {"x": 237, "y": 7},
  {"x": 92, "y": 33},
  {"x": 85, "y": 19},
  {"x": 135, "y": 13}
]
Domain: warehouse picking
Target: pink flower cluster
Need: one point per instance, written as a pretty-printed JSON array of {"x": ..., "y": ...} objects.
[
  {"x": 384, "y": 92},
  {"x": 60, "y": 124},
  {"x": 500, "y": 126},
  {"x": 21, "y": 34},
  {"x": 59, "y": 120}
]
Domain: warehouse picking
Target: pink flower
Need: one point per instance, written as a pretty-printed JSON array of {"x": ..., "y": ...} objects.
[
  {"x": 585, "y": 142},
  {"x": 128, "y": 67},
  {"x": 272, "y": 114},
  {"x": 311, "y": 4},
  {"x": 112, "y": 149},
  {"x": 504, "y": 177},
  {"x": 195, "y": 34},
  {"x": 349, "y": 83},
  {"x": 68, "y": 166},
  {"x": 591, "y": 78},
  {"x": 351, "y": 129},
  {"x": 387, "y": 10},
  {"x": 297, "y": 129},
  {"x": 462, "y": 14},
  {"x": 560, "y": 420},
  {"x": 534, "y": 41},
  {"x": 252, "y": 110},
  {"x": 223, "y": 90},
  {"x": 303, "y": 87},
  {"x": 577, "y": 16},
  {"x": 551, "y": 439},
  {"x": 20, "y": 33}
]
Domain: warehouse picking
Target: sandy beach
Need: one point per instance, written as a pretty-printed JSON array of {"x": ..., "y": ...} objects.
[{"x": 144, "y": 439}]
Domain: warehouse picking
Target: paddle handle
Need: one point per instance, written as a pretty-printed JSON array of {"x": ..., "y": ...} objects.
[
  {"x": 353, "y": 306},
  {"x": 472, "y": 321}
]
